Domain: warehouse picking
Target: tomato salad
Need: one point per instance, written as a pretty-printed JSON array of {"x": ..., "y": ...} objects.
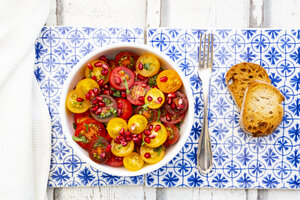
[{"x": 127, "y": 111}]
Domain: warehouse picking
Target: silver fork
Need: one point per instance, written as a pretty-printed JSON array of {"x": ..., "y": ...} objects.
[{"x": 204, "y": 154}]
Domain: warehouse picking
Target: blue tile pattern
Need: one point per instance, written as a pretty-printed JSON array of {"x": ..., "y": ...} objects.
[
  {"x": 57, "y": 50},
  {"x": 240, "y": 161}
]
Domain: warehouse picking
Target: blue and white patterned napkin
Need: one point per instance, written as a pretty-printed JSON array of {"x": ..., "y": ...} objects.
[
  {"x": 240, "y": 161},
  {"x": 57, "y": 50}
]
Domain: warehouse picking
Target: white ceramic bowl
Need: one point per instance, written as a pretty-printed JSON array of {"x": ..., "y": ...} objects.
[{"x": 110, "y": 52}]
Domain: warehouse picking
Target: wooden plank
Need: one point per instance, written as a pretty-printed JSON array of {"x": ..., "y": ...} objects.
[
  {"x": 256, "y": 14},
  {"x": 51, "y": 21},
  {"x": 153, "y": 10},
  {"x": 278, "y": 194}
]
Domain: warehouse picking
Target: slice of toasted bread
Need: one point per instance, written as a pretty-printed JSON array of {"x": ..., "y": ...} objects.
[
  {"x": 262, "y": 109},
  {"x": 239, "y": 76}
]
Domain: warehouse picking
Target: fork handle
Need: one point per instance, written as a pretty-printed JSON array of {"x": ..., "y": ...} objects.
[{"x": 204, "y": 154}]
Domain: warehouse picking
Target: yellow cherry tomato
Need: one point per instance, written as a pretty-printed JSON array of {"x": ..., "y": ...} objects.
[
  {"x": 152, "y": 155},
  {"x": 119, "y": 150},
  {"x": 75, "y": 103},
  {"x": 84, "y": 86},
  {"x": 168, "y": 81},
  {"x": 155, "y": 98},
  {"x": 147, "y": 65},
  {"x": 99, "y": 69},
  {"x": 133, "y": 162},
  {"x": 115, "y": 125},
  {"x": 158, "y": 136},
  {"x": 137, "y": 123}
]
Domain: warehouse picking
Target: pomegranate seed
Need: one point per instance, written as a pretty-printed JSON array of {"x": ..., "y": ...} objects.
[
  {"x": 90, "y": 66},
  {"x": 108, "y": 148},
  {"x": 171, "y": 95},
  {"x": 147, "y": 140},
  {"x": 127, "y": 133},
  {"x": 118, "y": 80},
  {"x": 103, "y": 58},
  {"x": 87, "y": 96},
  {"x": 168, "y": 118},
  {"x": 135, "y": 139},
  {"x": 163, "y": 79},
  {"x": 102, "y": 155},
  {"x": 152, "y": 136},
  {"x": 173, "y": 105},
  {"x": 99, "y": 98},
  {"x": 134, "y": 136},
  {"x": 105, "y": 86},
  {"x": 106, "y": 92},
  {"x": 150, "y": 127},
  {"x": 119, "y": 137},
  {"x": 157, "y": 128},
  {"x": 122, "y": 131},
  {"x": 128, "y": 139},
  {"x": 92, "y": 93},
  {"x": 146, "y": 80},
  {"x": 180, "y": 101},
  {"x": 119, "y": 112},
  {"x": 111, "y": 92},
  {"x": 123, "y": 94},
  {"x": 140, "y": 77},
  {"x": 155, "y": 86},
  {"x": 95, "y": 101},
  {"x": 132, "y": 127},
  {"x": 180, "y": 107},
  {"x": 141, "y": 98},
  {"x": 94, "y": 78},
  {"x": 149, "y": 98},
  {"x": 104, "y": 72},
  {"x": 94, "y": 109},
  {"x": 140, "y": 136},
  {"x": 144, "y": 85},
  {"x": 98, "y": 64},
  {"x": 101, "y": 104},
  {"x": 96, "y": 90},
  {"x": 117, "y": 141},
  {"x": 124, "y": 144},
  {"x": 147, "y": 132},
  {"x": 98, "y": 111},
  {"x": 105, "y": 67},
  {"x": 159, "y": 99},
  {"x": 140, "y": 66},
  {"x": 169, "y": 101},
  {"x": 147, "y": 155},
  {"x": 100, "y": 82},
  {"x": 80, "y": 99}
]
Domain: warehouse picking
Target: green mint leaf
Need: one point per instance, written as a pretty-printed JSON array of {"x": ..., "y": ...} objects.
[
  {"x": 152, "y": 81},
  {"x": 86, "y": 127},
  {"x": 158, "y": 115},
  {"x": 81, "y": 138},
  {"x": 74, "y": 126},
  {"x": 126, "y": 85},
  {"x": 147, "y": 66},
  {"x": 146, "y": 105}
]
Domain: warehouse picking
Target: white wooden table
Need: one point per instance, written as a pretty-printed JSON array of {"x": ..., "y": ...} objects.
[{"x": 174, "y": 13}]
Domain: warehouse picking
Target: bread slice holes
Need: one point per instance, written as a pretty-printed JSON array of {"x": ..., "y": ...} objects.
[
  {"x": 262, "y": 125},
  {"x": 250, "y": 76},
  {"x": 243, "y": 70},
  {"x": 230, "y": 81},
  {"x": 271, "y": 112}
]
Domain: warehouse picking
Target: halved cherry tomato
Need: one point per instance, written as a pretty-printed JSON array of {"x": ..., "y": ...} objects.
[
  {"x": 115, "y": 125},
  {"x": 173, "y": 134},
  {"x": 98, "y": 70},
  {"x": 75, "y": 103},
  {"x": 121, "y": 151},
  {"x": 121, "y": 78},
  {"x": 124, "y": 108},
  {"x": 154, "y": 98},
  {"x": 84, "y": 86},
  {"x": 150, "y": 114},
  {"x": 126, "y": 59},
  {"x": 115, "y": 161},
  {"x": 168, "y": 81},
  {"x": 177, "y": 103},
  {"x": 133, "y": 162},
  {"x": 137, "y": 93},
  {"x": 88, "y": 131},
  {"x": 155, "y": 136},
  {"x": 105, "y": 109},
  {"x": 147, "y": 65},
  {"x": 80, "y": 117},
  {"x": 99, "y": 150},
  {"x": 152, "y": 155},
  {"x": 168, "y": 118},
  {"x": 137, "y": 123}
]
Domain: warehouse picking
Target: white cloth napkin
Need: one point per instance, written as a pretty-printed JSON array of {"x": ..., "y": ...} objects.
[{"x": 24, "y": 118}]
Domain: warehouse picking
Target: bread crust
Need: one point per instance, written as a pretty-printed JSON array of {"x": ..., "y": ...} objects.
[
  {"x": 239, "y": 76},
  {"x": 262, "y": 109}
]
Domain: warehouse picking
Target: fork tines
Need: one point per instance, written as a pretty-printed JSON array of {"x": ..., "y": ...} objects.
[{"x": 206, "y": 56}]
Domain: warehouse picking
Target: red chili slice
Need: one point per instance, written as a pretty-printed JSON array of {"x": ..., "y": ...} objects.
[
  {"x": 126, "y": 59},
  {"x": 103, "y": 108},
  {"x": 173, "y": 134},
  {"x": 121, "y": 77},
  {"x": 168, "y": 118},
  {"x": 150, "y": 114},
  {"x": 137, "y": 93},
  {"x": 176, "y": 103}
]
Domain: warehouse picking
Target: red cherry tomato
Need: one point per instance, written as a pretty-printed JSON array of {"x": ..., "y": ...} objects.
[
  {"x": 126, "y": 59},
  {"x": 124, "y": 108},
  {"x": 150, "y": 114},
  {"x": 121, "y": 78},
  {"x": 99, "y": 150},
  {"x": 168, "y": 118},
  {"x": 80, "y": 117},
  {"x": 176, "y": 103},
  {"x": 88, "y": 131},
  {"x": 137, "y": 93},
  {"x": 173, "y": 134},
  {"x": 103, "y": 108},
  {"x": 115, "y": 161}
]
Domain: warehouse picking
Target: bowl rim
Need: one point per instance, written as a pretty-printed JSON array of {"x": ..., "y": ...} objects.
[{"x": 117, "y": 46}]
